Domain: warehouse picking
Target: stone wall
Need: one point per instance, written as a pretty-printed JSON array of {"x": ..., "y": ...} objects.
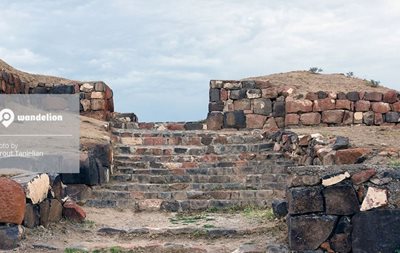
[
  {"x": 258, "y": 104},
  {"x": 96, "y": 98},
  {"x": 344, "y": 208}
]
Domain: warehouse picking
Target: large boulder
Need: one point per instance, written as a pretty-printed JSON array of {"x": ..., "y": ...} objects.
[
  {"x": 376, "y": 231},
  {"x": 12, "y": 201}
]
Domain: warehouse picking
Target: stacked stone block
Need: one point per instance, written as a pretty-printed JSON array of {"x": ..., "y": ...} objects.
[
  {"x": 96, "y": 98},
  {"x": 258, "y": 104},
  {"x": 343, "y": 209}
]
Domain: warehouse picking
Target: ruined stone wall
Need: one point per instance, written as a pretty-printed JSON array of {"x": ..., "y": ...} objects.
[
  {"x": 257, "y": 104},
  {"x": 344, "y": 208},
  {"x": 96, "y": 98}
]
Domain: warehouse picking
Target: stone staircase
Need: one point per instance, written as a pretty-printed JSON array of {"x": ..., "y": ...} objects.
[{"x": 191, "y": 170}]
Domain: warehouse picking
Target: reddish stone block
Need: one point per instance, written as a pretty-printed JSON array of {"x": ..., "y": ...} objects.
[
  {"x": 255, "y": 121},
  {"x": 373, "y": 96},
  {"x": 12, "y": 201},
  {"x": 396, "y": 107},
  {"x": 242, "y": 104},
  {"x": 351, "y": 156},
  {"x": 363, "y": 176},
  {"x": 380, "y": 107},
  {"x": 332, "y": 116},
  {"x": 271, "y": 124},
  {"x": 348, "y": 118},
  {"x": 390, "y": 96},
  {"x": 311, "y": 96},
  {"x": 215, "y": 121},
  {"x": 378, "y": 119},
  {"x": 292, "y": 119},
  {"x": 176, "y": 126},
  {"x": 224, "y": 95},
  {"x": 362, "y": 106},
  {"x": 73, "y": 211},
  {"x": 343, "y": 104},
  {"x": 324, "y": 104},
  {"x": 295, "y": 106},
  {"x": 270, "y": 92},
  {"x": 312, "y": 118}
]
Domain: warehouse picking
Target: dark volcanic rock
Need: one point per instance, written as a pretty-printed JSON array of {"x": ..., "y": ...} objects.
[
  {"x": 341, "y": 200},
  {"x": 305, "y": 200},
  {"x": 235, "y": 119},
  {"x": 341, "y": 239},
  {"x": 279, "y": 207},
  {"x": 308, "y": 232},
  {"x": 10, "y": 236},
  {"x": 341, "y": 143},
  {"x": 376, "y": 231}
]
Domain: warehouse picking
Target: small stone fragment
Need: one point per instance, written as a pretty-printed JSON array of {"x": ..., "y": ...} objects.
[
  {"x": 335, "y": 179},
  {"x": 375, "y": 198}
]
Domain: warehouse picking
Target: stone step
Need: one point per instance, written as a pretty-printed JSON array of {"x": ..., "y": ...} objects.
[
  {"x": 250, "y": 179},
  {"x": 194, "y": 186},
  {"x": 192, "y": 149},
  {"x": 271, "y": 159},
  {"x": 178, "y": 205},
  {"x": 261, "y": 168},
  {"x": 194, "y": 158}
]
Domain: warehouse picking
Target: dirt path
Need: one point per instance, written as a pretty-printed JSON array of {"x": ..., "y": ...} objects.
[{"x": 107, "y": 229}]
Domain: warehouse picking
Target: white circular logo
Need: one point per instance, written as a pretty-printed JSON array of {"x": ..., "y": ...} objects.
[{"x": 6, "y": 117}]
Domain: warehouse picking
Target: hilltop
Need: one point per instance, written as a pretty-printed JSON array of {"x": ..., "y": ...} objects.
[{"x": 305, "y": 81}]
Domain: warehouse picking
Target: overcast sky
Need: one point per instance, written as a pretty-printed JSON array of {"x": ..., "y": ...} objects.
[{"x": 158, "y": 56}]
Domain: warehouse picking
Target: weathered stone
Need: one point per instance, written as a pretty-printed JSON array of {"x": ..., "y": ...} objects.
[
  {"x": 215, "y": 121},
  {"x": 368, "y": 118},
  {"x": 375, "y": 198},
  {"x": 312, "y": 118},
  {"x": 55, "y": 212},
  {"x": 392, "y": 117},
  {"x": 73, "y": 212},
  {"x": 343, "y": 104},
  {"x": 276, "y": 248},
  {"x": 235, "y": 119},
  {"x": 270, "y": 123},
  {"x": 324, "y": 105},
  {"x": 216, "y": 106},
  {"x": 335, "y": 179},
  {"x": 100, "y": 86},
  {"x": 396, "y": 107},
  {"x": 305, "y": 200},
  {"x": 242, "y": 104},
  {"x": 358, "y": 118},
  {"x": 248, "y": 84},
  {"x": 10, "y": 236},
  {"x": 308, "y": 232},
  {"x": 329, "y": 158},
  {"x": 97, "y": 95},
  {"x": 362, "y": 106},
  {"x": 341, "y": 200},
  {"x": 292, "y": 119},
  {"x": 341, "y": 143},
  {"x": 363, "y": 176},
  {"x": 170, "y": 206},
  {"x": 216, "y": 84},
  {"x": 390, "y": 96},
  {"x": 232, "y": 85},
  {"x": 249, "y": 248},
  {"x": 341, "y": 238},
  {"x": 32, "y": 216},
  {"x": 278, "y": 109},
  {"x": 237, "y": 94},
  {"x": 12, "y": 201},
  {"x": 311, "y": 96},
  {"x": 280, "y": 207},
  {"x": 380, "y": 107},
  {"x": 87, "y": 87},
  {"x": 36, "y": 186},
  {"x": 85, "y": 103},
  {"x": 262, "y": 106},
  {"x": 305, "y": 180},
  {"x": 255, "y": 121},
  {"x": 376, "y": 231},
  {"x": 351, "y": 155},
  {"x": 373, "y": 96},
  {"x": 378, "y": 119},
  {"x": 348, "y": 118},
  {"x": 215, "y": 95},
  {"x": 44, "y": 210},
  {"x": 253, "y": 93},
  {"x": 353, "y": 96},
  {"x": 98, "y": 104},
  {"x": 270, "y": 92},
  {"x": 332, "y": 116},
  {"x": 295, "y": 106}
]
